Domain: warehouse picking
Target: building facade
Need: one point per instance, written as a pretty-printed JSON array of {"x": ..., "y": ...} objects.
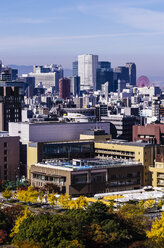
[
  {"x": 9, "y": 157},
  {"x": 87, "y": 66},
  {"x": 87, "y": 177},
  {"x": 64, "y": 88},
  {"x": 140, "y": 152}
]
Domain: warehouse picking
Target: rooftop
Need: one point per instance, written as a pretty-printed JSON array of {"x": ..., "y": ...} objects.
[
  {"x": 79, "y": 164},
  {"x": 126, "y": 143}
]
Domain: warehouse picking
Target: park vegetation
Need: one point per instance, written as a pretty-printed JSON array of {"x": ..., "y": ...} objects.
[{"x": 82, "y": 223}]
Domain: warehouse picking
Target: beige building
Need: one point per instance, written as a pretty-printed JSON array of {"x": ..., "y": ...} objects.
[
  {"x": 131, "y": 151},
  {"x": 157, "y": 172},
  {"x": 89, "y": 176}
]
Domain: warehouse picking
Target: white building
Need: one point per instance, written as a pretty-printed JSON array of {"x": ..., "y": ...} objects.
[
  {"x": 53, "y": 131},
  {"x": 87, "y": 66},
  {"x": 47, "y": 79}
]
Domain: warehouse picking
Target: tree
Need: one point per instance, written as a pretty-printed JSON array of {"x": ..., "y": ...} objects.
[
  {"x": 29, "y": 195},
  {"x": 51, "y": 188},
  {"x": 64, "y": 200},
  {"x": 25, "y": 214},
  {"x": 156, "y": 234},
  {"x": 80, "y": 202},
  {"x": 52, "y": 199},
  {"x": 7, "y": 194},
  {"x": 70, "y": 244},
  {"x": 28, "y": 244}
]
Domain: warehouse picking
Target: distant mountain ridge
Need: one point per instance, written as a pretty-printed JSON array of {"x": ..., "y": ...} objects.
[{"x": 25, "y": 69}]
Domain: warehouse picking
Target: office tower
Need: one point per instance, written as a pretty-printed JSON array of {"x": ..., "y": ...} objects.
[
  {"x": 47, "y": 79},
  {"x": 121, "y": 85},
  {"x": 64, "y": 88},
  {"x": 75, "y": 85},
  {"x": 105, "y": 90},
  {"x": 104, "y": 74},
  {"x": 49, "y": 75},
  {"x": 156, "y": 108},
  {"x": 6, "y": 74},
  {"x": 75, "y": 68},
  {"x": 123, "y": 73},
  {"x": 0, "y": 66},
  {"x": 30, "y": 81},
  {"x": 14, "y": 74},
  {"x": 10, "y": 104},
  {"x": 132, "y": 73},
  {"x": 87, "y": 66}
]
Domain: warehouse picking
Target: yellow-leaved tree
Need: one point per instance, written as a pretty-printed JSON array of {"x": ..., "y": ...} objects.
[
  {"x": 156, "y": 234},
  {"x": 7, "y": 194},
  {"x": 29, "y": 195},
  {"x": 25, "y": 214},
  {"x": 52, "y": 199},
  {"x": 64, "y": 200},
  {"x": 80, "y": 202}
]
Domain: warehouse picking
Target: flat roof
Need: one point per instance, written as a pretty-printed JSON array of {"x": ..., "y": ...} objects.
[
  {"x": 125, "y": 143},
  {"x": 80, "y": 164}
]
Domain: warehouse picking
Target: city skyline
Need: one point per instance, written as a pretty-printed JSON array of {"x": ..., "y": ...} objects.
[{"x": 39, "y": 32}]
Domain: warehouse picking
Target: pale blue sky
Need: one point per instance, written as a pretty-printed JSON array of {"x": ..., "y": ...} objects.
[{"x": 51, "y": 31}]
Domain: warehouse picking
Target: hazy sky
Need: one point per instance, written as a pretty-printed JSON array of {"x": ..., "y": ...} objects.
[{"x": 56, "y": 31}]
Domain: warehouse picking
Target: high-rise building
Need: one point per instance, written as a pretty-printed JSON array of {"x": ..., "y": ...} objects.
[
  {"x": 75, "y": 68},
  {"x": 104, "y": 74},
  {"x": 132, "y": 73},
  {"x": 0, "y": 66},
  {"x": 10, "y": 104},
  {"x": 75, "y": 85},
  {"x": 87, "y": 66},
  {"x": 123, "y": 73},
  {"x": 64, "y": 88},
  {"x": 49, "y": 75}
]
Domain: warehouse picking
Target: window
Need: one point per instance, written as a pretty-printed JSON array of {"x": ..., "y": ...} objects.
[
  {"x": 5, "y": 144},
  {"x": 5, "y": 159},
  {"x": 5, "y": 152}
]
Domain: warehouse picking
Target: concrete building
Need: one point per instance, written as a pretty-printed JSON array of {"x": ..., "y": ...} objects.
[
  {"x": 53, "y": 131},
  {"x": 104, "y": 74},
  {"x": 132, "y": 151},
  {"x": 132, "y": 73},
  {"x": 64, "y": 88},
  {"x": 151, "y": 133},
  {"x": 9, "y": 157},
  {"x": 121, "y": 126},
  {"x": 87, "y": 66},
  {"x": 47, "y": 79},
  {"x": 11, "y": 98},
  {"x": 89, "y": 176},
  {"x": 75, "y": 85},
  {"x": 40, "y": 151},
  {"x": 157, "y": 171},
  {"x": 75, "y": 68}
]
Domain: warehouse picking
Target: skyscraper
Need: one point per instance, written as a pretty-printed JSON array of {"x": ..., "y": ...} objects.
[
  {"x": 75, "y": 85},
  {"x": 104, "y": 74},
  {"x": 64, "y": 88},
  {"x": 75, "y": 68},
  {"x": 132, "y": 73},
  {"x": 87, "y": 66}
]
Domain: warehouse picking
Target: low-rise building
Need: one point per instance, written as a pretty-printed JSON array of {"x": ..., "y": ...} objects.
[
  {"x": 157, "y": 171},
  {"x": 151, "y": 133},
  {"x": 87, "y": 177},
  {"x": 132, "y": 151}
]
